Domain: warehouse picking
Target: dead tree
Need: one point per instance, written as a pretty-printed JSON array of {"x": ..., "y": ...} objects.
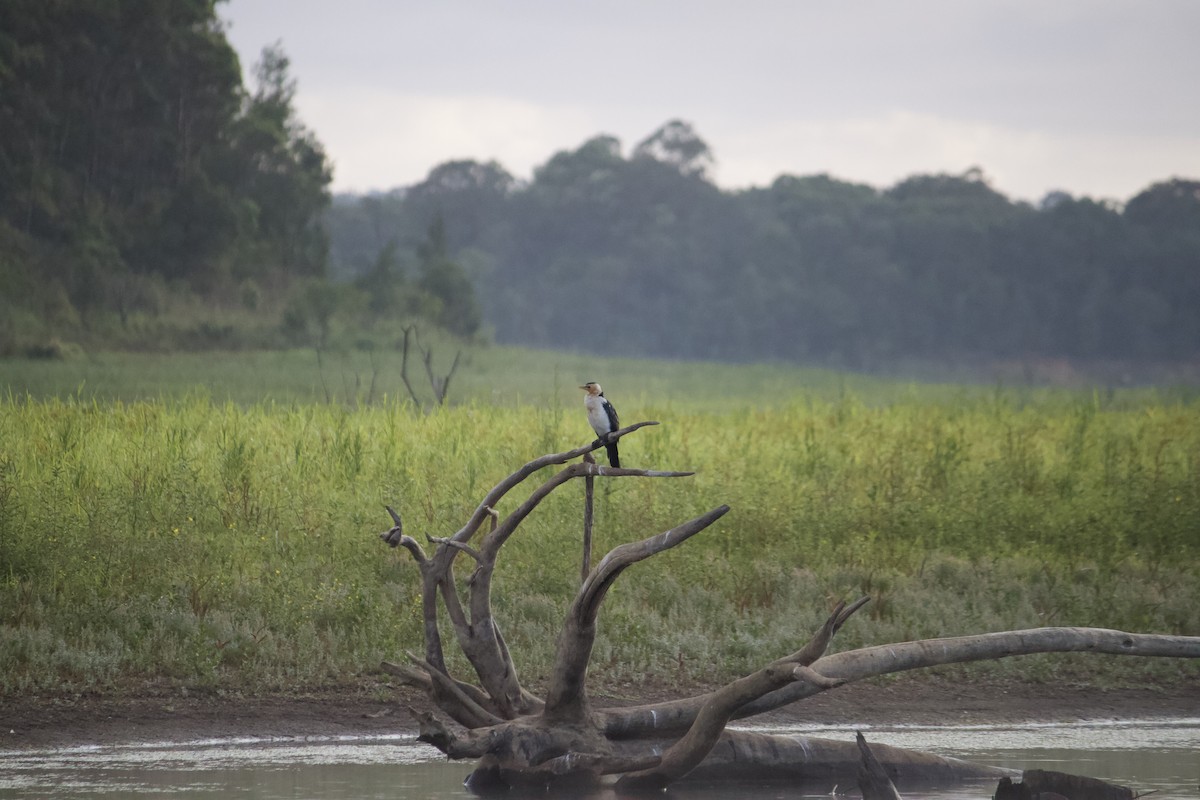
[
  {"x": 559, "y": 739},
  {"x": 440, "y": 385}
]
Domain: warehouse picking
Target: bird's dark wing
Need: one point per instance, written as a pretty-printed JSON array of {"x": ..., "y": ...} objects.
[{"x": 613, "y": 422}]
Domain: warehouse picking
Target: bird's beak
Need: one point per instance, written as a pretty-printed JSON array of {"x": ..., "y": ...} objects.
[{"x": 584, "y": 388}]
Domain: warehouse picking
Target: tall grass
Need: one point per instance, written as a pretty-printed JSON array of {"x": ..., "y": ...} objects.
[{"x": 202, "y": 542}]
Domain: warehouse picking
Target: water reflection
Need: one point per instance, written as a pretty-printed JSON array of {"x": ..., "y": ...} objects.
[{"x": 1144, "y": 755}]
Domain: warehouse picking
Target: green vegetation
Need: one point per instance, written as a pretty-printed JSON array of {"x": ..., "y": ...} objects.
[
  {"x": 490, "y": 375},
  {"x": 189, "y": 540},
  {"x": 144, "y": 185},
  {"x": 152, "y": 202},
  {"x": 206, "y": 517},
  {"x": 149, "y": 201}
]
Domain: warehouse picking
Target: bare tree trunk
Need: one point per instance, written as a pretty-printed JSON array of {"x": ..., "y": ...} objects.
[
  {"x": 589, "y": 501},
  {"x": 521, "y": 739}
]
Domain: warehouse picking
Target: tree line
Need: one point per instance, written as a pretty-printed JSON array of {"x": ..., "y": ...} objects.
[
  {"x": 136, "y": 167},
  {"x": 143, "y": 186},
  {"x": 150, "y": 199},
  {"x": 641, "y": 254}
]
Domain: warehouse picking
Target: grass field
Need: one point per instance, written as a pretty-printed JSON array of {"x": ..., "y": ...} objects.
[
  {"x": 210, "y": 520},
  {"x": 493, "y": 375}
]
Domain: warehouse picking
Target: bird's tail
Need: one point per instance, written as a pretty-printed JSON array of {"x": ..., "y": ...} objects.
[{"x": 614, "y": 460}]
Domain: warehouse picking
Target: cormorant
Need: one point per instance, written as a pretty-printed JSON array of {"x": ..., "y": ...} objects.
[{"x": 603, "y": 418}]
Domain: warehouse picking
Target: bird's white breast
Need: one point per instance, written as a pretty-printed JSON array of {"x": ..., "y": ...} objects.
[{"x": 597, "y": 416}]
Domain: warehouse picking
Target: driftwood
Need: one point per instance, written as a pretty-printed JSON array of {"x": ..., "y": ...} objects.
[
  {"x": 1038, "y": 784},
  {"x": 559, "y": 740},
  {"x": 873, "y": 779}
]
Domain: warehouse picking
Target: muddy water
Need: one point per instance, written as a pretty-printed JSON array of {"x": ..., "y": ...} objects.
[{"x": 1158, "y": 755}]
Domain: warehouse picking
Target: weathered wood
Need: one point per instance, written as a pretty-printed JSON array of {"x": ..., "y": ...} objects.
[
  {"x": 1043, "y": 783},
  {"x": 589, "y": 501},
  {"x": 566, "y": 698},
  {"x": 873, "y": 779},
  {"x": 687, "y": 753},
  {"x": 817, "y": 765},
  {"x": 521, "y": 740},
  {"x": 476, "y": 630},
  {"x": 871, "y": 662}
]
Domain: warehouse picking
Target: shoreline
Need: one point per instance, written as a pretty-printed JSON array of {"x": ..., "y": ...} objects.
[{"x": 373, "y": 709}]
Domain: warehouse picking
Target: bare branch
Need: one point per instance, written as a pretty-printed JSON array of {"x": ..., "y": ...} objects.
[
  {"x": 440, "y": 386},
  {"x": 432, "y": 731},
  {"x": 395, "y": 537},
  {"x": 410, "y": 544},
  {"x": 408, "y": 329},
  {"x": 873, "y": 780},
  {"x": 454, "y": 609},
  {"x": 567, "y": 695},
  {"x": 506, "y": 528},
  {"x": 530, "y": 703},
  {"x": 516, "y": 478},
  {"x": 589, "y": 497},
  {"x": 420, "y": 679},
  {"x": 683, "y": 756},
  {"x": 870, "y": 662},
  {"x": 466, "y": 548},
  {"x": 443, "y": 386},
  {"x": 454, "y": 701},
  {"x": 817, "y": 645},
  {"x": 429, "y": 615},
  {"x": 411, "y": 676},
  {"x": 591, "y": 594},
  {"x": 479, "y": 638}
]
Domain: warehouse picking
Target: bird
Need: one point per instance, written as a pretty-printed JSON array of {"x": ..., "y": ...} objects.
[{"x": 603, "y": 418}]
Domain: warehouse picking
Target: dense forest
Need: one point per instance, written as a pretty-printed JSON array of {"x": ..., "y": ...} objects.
[
  {"x": 135, "y": 168},
  {"x": 148, "y": 199},
  {"x": 642, "y": 254}
]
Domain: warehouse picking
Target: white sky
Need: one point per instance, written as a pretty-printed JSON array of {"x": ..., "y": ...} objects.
[{"x": 1094, "y": 97}]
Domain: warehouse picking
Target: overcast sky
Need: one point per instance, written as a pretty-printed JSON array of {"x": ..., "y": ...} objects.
[{"x": 1094, "y": 97}]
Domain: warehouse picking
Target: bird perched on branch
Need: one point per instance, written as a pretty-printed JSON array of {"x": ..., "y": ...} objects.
[{"x": 603, "y": 418}]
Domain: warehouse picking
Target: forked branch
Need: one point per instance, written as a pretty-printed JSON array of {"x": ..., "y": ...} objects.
[
  {"x": 566, "y": 698},
  {"x": 476, "y": 630},
  {"x": 683, "y": 756},
  {"x": 439, "y": 385},
  {"x": 522, "y": 741}
]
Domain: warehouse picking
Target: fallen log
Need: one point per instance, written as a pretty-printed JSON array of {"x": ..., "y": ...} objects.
[
  {"x": 1038, "y": 784},
  {"x": 560, "y": 740}
]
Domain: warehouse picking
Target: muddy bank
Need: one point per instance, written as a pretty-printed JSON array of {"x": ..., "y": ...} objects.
[{"x": 371, "y": 708}]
